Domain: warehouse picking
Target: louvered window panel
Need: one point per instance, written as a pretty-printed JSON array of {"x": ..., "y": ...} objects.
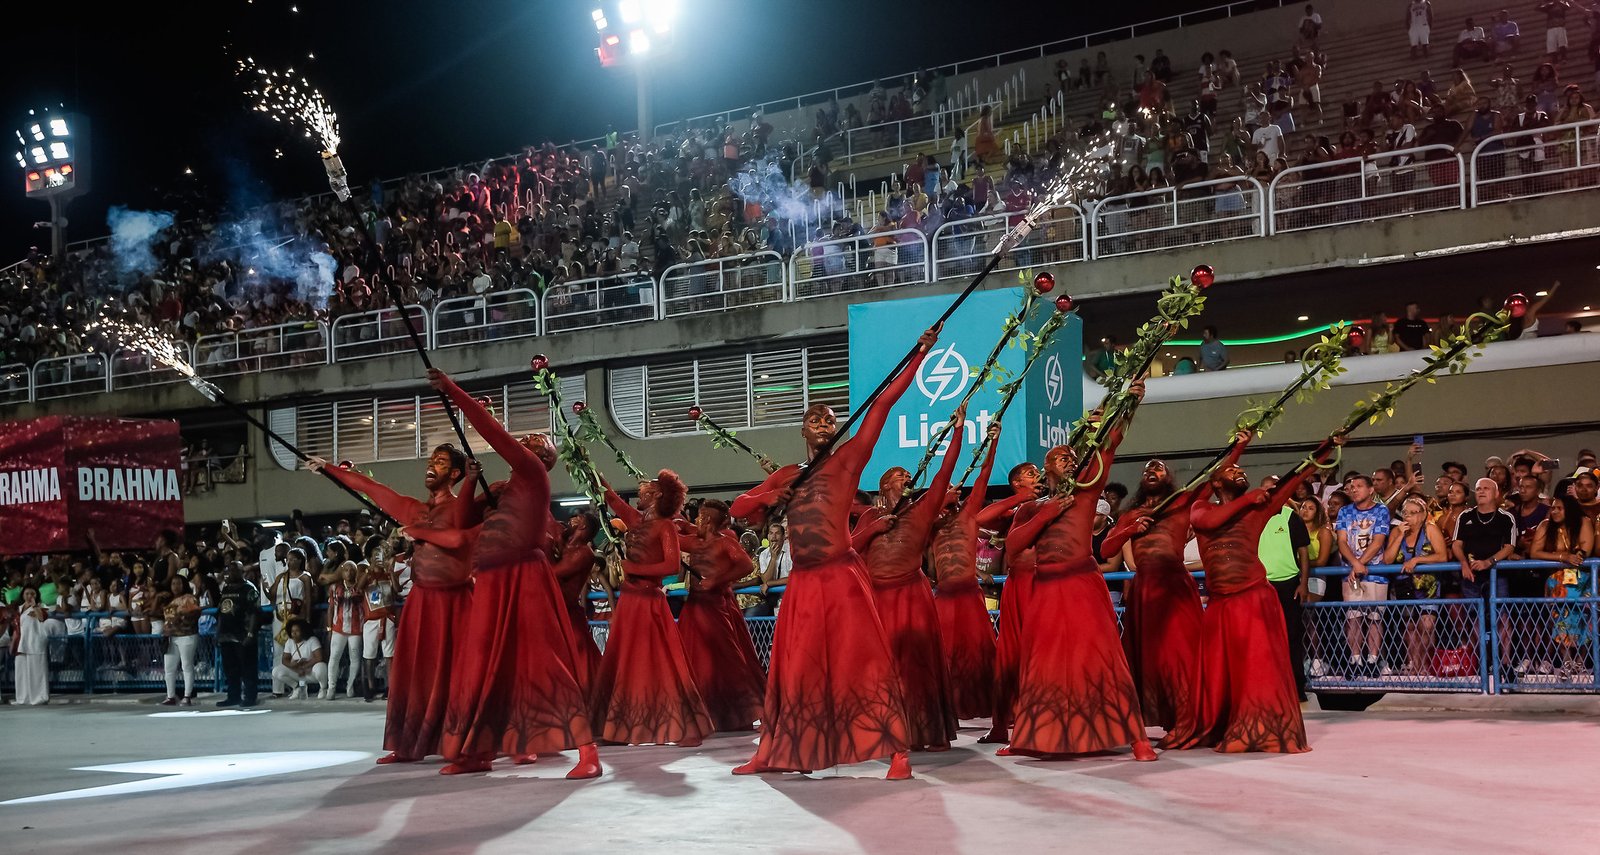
[
  {"x": 527, "y": 411},
  {"x": 397, "y": 428},
  {"x": 626, "y": 387},
  {"x": 723, "y": 390},
  {"x": 354, "y": 432},
  {"x": 828, "y": 377},
  {"x": 777, "y": 377},
  {"x": 669, "y": 393},
  {"x": 435, "y": 425},
  {"x": 313, "y": 429}
]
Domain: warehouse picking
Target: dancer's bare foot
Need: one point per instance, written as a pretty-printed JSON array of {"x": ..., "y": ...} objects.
[
  {"x": 394, "y": 757},
  {"x": 899, "y": 767},
  {"x": 1143, "y": 752},
  {"x": 588, "y": 765},
  {"x": 524, "y": 759},
  {"x": 750, "y": 768},
  {"x": 1005, "y": 751}
]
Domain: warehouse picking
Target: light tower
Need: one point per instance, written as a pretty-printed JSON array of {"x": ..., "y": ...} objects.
[
  {"x": 53, "y": 152},
  {"x": 636, "y": 33}
]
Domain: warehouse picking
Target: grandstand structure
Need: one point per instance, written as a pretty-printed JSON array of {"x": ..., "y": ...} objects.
[{"x": 756, "y": 337}]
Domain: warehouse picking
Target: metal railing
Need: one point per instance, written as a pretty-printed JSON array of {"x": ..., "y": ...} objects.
[
  {"x": 716, "y": 284},
  {"x": 1201, "y": 212},
  {"x": 1391, "y": 184},
  {"x": 960, "y": 247},
  {"x": 133, "y": 369},
  {"x": 369, "y": 334},
  {"x": 16, "y": 383},
  {"x": 863, "y": 263},
  {"x": 65, "y": 376},
  {"x": 502, "y": 314},
  {"x": 604, "y": 301},
  {"x": 262, "y": 349},
  {"x": 1532, "y": 163}
]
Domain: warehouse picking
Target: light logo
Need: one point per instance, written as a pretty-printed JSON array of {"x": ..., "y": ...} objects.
[
  {"x": 1054, "y": 381},
  {"x": 943, "y": 374}
]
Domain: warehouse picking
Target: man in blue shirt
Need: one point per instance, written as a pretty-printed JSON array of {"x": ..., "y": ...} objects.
[
  {"x": 1213, "y": 353},
  {"x": 1361, "y": 529}
]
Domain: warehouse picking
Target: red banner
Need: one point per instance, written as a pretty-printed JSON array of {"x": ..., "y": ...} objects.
[{"x": 63, "y": 476}]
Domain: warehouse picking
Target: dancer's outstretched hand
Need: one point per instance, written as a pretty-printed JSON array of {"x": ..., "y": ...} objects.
[
  {"x": 437, "y": 379},
  {"x": 929, "y": 338},
  {"x": 316, "y": 464}
]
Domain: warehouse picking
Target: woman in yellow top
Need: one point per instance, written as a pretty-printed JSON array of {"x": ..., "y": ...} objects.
[{"x": 1321, "y": 552}]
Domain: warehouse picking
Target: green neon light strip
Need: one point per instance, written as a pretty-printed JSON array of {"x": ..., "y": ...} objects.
[
  {"x": 815, "y": 387},
  {"x": 1276, "y": 339}
]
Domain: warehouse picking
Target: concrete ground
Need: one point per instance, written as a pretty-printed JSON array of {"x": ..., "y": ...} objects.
[{"x": 1397, "y": 778}]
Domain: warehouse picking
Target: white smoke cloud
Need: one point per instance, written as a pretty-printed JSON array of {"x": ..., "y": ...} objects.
[{"x": 132, "y": 233}]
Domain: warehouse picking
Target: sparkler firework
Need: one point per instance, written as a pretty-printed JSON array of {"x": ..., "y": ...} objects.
[{"x": 289, "y": 98}]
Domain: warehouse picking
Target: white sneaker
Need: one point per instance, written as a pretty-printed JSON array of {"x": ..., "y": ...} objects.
[
  {"x": 1317, "y": 669},
  {"x": 1522, "y": 667},
  {"x": 1385, "y": 671},
  {"x": 299, "y": 693}
]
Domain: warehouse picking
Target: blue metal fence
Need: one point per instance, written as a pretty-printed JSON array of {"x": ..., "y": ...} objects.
[{"x": 1444, "y": 644}]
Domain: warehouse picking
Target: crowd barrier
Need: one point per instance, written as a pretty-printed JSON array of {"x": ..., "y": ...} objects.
[{"x": 1495, "y": 645}]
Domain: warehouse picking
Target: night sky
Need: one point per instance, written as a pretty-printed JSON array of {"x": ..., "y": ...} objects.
[{"x": 422, "y": 85}]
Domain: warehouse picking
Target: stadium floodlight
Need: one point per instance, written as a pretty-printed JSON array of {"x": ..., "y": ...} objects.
[
  {"x": 630, "y": 11},
  {"x": 638, "y": 42},
  {"x": 52, "y": 154},
  {"x": 662, "y": 14},
  {"x": 600, "y": 22}
]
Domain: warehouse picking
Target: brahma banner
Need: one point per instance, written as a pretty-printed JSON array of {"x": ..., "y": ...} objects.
[{"x": 64, "y": 476}]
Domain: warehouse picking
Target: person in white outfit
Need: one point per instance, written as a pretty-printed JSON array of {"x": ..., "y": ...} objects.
[
  {"x": 345, "y": 611},
  {"x": 302, "y": 660},
  {"x": 180, "y": 629},
  {"x": 31, "y": 644}
]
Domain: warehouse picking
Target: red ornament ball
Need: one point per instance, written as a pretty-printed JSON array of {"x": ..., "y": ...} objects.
[
  {"x": 347, "y": 464},
  {"x": 695, "y": 413},
  {"x": 1358, "y": 337},
  {"x": 1517, "y": 305},
  {"x": 1202, "y": 276},
  {"x": 539, "y": 362},
  {"x": 579, "y": 407},
  {"x": 1044, "y": 282},
  {"x": 1064, "y": 303}
]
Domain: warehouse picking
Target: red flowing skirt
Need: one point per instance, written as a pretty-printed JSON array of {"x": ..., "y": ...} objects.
[
  {"x": 722, "y": 658},
  {"x": 1015, "y": 596},
  {"x": 420, "y": 674},
  {"x": 588, "y": 652},
  {"x": 1246, "y": 699},
  {"x": 833, "y": 694},
  {"x": 1161, "y": 636},
  {"x": 515, "y": 689},
  {"x": 912, "y": 621},
  {"x": 967, "y": 635},
  {"x": 644, "y": 693},
  {"x": 1074, "y": 691}
]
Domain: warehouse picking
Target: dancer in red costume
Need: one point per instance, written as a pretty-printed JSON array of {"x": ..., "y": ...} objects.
[
  {"x": 1246, "y": 699},
  {"x": 645, "y": 693},
  {"x": 435, "y": 612},
  {"x": 833, "y": 695},
  {"x": 1074, "y": 692},
  {"x": 721, "y": 655},
  {"x": 965, "y": 631},
  {"x": 573, "y": 572},
  {"x": 1161, "y": 614},
  {"x": 905, "y": 605},
  {"x": 1014, "y": 596},
  {"x": 515, "y": 690}
]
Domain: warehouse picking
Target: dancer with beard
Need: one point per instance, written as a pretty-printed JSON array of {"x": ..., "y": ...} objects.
[
  {"x": 645, "y": 693},
  {"x": 721, "y": 655},
  {"x": 1014, "y": 596},
  {"x": 573, "y": 571},
  {"x": 905, "y": 604},
  {"x": 965, "y": 631},
  {"x": 1161, "y": 608},
  {"x": 1074, "y": 692},
  {"x": 1246, "y": 699},
  {"x": 516, "y": 688},
  {"x": 435, "y": 615},
  {"x": 833, "y": 695}
]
